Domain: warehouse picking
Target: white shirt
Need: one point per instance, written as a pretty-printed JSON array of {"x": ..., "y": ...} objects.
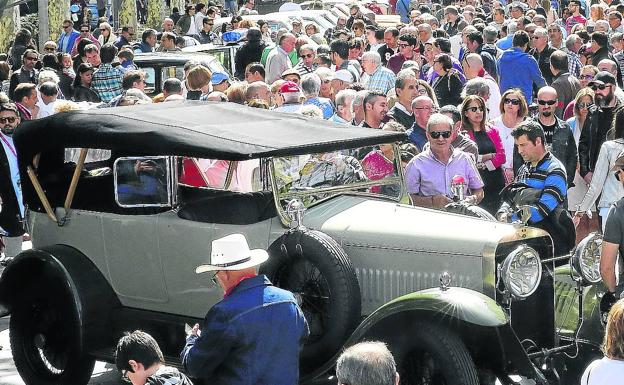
[
  {"x": 289, "y": 6},
  {"x": 193, "y": 28},
  {"x": 493, "y": 103},
  {"x": 506, "y": 138},
  {"x": 604, "y": 372},
  {"x": 9, "y": 150}
]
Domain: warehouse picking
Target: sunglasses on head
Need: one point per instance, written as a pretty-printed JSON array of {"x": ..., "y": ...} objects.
[
  {"x": 10, "y": 119},
  {"x": 515, "y": 102},
  {"x": 437, "y": 134},
  {"x": 601, "y": 86},
  {"x": 474, "y": 109}
]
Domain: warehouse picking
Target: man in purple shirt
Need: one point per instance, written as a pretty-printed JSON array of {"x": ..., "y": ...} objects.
[{"x": 429, "y": 174}]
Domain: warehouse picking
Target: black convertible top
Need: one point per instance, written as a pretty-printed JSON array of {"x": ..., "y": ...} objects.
[{"x": 214, "y": 130}]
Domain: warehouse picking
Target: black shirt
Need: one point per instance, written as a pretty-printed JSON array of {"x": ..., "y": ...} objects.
[
  {"x": 614, "y": 232},
  {"x": 549, "y": 131}
]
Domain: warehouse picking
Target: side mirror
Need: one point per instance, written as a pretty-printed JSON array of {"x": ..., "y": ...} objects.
[{"x": 148, "y": 181}]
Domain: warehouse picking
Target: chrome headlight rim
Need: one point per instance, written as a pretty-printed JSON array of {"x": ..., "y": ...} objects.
[
  {"x": 509, "y": 281},
  {"x": 586, "y": 259}
]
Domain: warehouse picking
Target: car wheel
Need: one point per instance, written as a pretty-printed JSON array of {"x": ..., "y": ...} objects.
[
  {"x": 439, "y": 357},
  {"x": 319, "y": 273},
  {"x": 44, "y": 335}
]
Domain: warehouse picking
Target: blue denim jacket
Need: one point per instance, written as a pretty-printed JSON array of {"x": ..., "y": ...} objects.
[{"x": 253, "y": 336}]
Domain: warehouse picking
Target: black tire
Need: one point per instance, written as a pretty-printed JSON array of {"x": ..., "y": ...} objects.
[
  {"x": 44, "y": 335},
  {"x": 470, "y": 210},
  {"x": 320, "y": 274},
  {"x": 437, "y": 357}
]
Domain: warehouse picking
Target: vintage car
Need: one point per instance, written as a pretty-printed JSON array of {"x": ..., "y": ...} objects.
[
  {"x": 225, "y": 54},
  {"x": 123, "y": 205},
  {"x": 159, "y": 66}
]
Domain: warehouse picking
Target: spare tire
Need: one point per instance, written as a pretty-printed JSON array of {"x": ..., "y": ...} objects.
[
  {"x": 319, "y": 273},
  {"x": 470, "y": 210}
]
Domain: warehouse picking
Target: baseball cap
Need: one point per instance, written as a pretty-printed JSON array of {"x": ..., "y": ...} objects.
[
  {"x": 218, "y": 78},
  {"x": 291, "y": 71},
  {"x": 343, "y": 75},
  {"x": 289, "y": 87},
  {"x": 605, "y": 77}
]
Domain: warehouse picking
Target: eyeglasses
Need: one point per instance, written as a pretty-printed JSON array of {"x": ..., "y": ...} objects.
[
  {"x": 9, "y": 119},
  {"x": 553, "y": 30},
  {"x": 438, "y": 134},
  {"x": 214, "y": 278},
  {"x": 32, "y": 58},
  {"x": 515, "y": 102},
  {"x": 536, "y": 37},
  {"x": 545, "y": 102},
  {"x": 474, "y": 109},
  {"x": 49, "y": 49},
  {"x": 600, "y": 87},
  {"x": 422, "y": 91},
  {"x": 586, "y": 77},
  {"x": 403, "y": 45},
  {"x": 308, "y": 55},
  {"x": 583, "y": 105}
]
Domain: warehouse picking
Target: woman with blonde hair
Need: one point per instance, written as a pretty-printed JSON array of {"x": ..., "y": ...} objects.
[
  {"x": 236, "y": 92},
  {"x": 514, "y": 109},
  {"x": 609, "y": 370},
  {"x": 491, "y": 151},
  {"x": 106, "y": 34}
]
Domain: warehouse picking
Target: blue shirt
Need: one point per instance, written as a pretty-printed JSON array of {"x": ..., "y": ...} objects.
[
  {"x": 324, "y": 104},
  {"x": 253, "y": 336},
  {"x": 418, "y": 136},
  {"x": 550, "y": 177},
  {"x": 518, "y": 69}
]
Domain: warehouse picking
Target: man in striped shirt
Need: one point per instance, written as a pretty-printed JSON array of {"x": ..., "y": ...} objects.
[{"x": 542, "y": 171}]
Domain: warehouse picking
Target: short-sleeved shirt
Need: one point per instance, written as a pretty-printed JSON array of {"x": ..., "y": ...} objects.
[
  {"x": 614, "y": 231},
  {"x": 427, "y": 176}
]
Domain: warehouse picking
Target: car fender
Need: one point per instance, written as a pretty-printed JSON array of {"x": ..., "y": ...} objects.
[
  {"x": 92, "y": 296},
  {"x": 477, "y": 319}
]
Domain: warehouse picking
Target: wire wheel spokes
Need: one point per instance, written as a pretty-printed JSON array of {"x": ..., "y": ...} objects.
[
  {"x": 48, "y": 332},
  {"x": 306, "y": 281}
]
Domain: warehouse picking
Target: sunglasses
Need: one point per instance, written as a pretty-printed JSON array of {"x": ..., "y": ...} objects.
[
  {"x": 308, "y": 55},
  {"x": 600, "y": 87},
  {"x": 10, "y": 119},
  {"x": 214, "y": 278},
  {"x": 66, "y": 26},
  {"x": 474, "y": 109},
  {"x": 49, "y": 49},
  {"x": 584, "y": 105},
  {"x": 545, "y": 102},
  {"x": 616, "y": 174},
  {"x": 515, "y": 102},
  {"x": 84, "y": 30},
  {"x": 438, "y": 134}
]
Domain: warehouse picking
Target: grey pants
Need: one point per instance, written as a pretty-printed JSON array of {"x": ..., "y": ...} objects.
[{"x": 12, "y": 246}]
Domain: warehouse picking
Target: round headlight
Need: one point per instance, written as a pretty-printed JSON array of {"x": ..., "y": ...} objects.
[
  {"x": 522, "y": 272},
  {"x": 586, "y": 259}
]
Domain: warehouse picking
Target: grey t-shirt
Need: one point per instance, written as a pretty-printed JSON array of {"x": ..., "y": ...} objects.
[{"x": 614, "y": 233}]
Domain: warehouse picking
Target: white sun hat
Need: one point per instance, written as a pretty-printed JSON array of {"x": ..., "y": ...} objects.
[{"x": 232, "y": 253}]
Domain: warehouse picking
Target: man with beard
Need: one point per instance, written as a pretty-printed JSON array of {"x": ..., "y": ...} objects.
[
  {"x": 598, "y": 123},
  {"x": 559, "y": 138},
  {"x": 12, "y": 214}
]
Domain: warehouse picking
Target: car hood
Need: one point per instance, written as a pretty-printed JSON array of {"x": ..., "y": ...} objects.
[{"x": 376, "y": 223}]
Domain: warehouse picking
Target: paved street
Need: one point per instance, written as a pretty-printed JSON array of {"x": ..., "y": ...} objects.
[{"x": 104, "y": 374}]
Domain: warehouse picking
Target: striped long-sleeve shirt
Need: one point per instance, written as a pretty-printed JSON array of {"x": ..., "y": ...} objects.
[{"x": 549, "y": 176}]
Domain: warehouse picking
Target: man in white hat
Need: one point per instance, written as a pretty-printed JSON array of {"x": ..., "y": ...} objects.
[{"x": 254, "y": 335}]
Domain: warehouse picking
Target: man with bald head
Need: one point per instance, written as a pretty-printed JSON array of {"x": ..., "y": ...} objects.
[
  {"x": 473, "y": 68},
  {"x": 422, "y": 108},
  {"x": 259, "y": 90},
  {"x": 559, "y": 139},
  {"x": 278, "y": 61}
]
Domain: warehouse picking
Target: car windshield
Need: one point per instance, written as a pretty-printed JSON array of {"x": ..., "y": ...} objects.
[{"x": 315, "y": 177}]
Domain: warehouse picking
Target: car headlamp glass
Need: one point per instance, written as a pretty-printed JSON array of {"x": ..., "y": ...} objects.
[
  {"x": 522, "y": 271},
  {"x": 586, "y": 258}
]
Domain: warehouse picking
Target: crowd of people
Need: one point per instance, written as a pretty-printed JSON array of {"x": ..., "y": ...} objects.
[{"x": 492, "y": 91}]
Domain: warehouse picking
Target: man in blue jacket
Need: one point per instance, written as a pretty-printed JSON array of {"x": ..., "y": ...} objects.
[
  {"x": 254, "y": 335},
  {"x": 518, "y": 69},
  {"x": 68, "y": 37}
]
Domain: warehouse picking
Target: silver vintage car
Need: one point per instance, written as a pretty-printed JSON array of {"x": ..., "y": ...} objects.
[{"x": 123, "y": 205}]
